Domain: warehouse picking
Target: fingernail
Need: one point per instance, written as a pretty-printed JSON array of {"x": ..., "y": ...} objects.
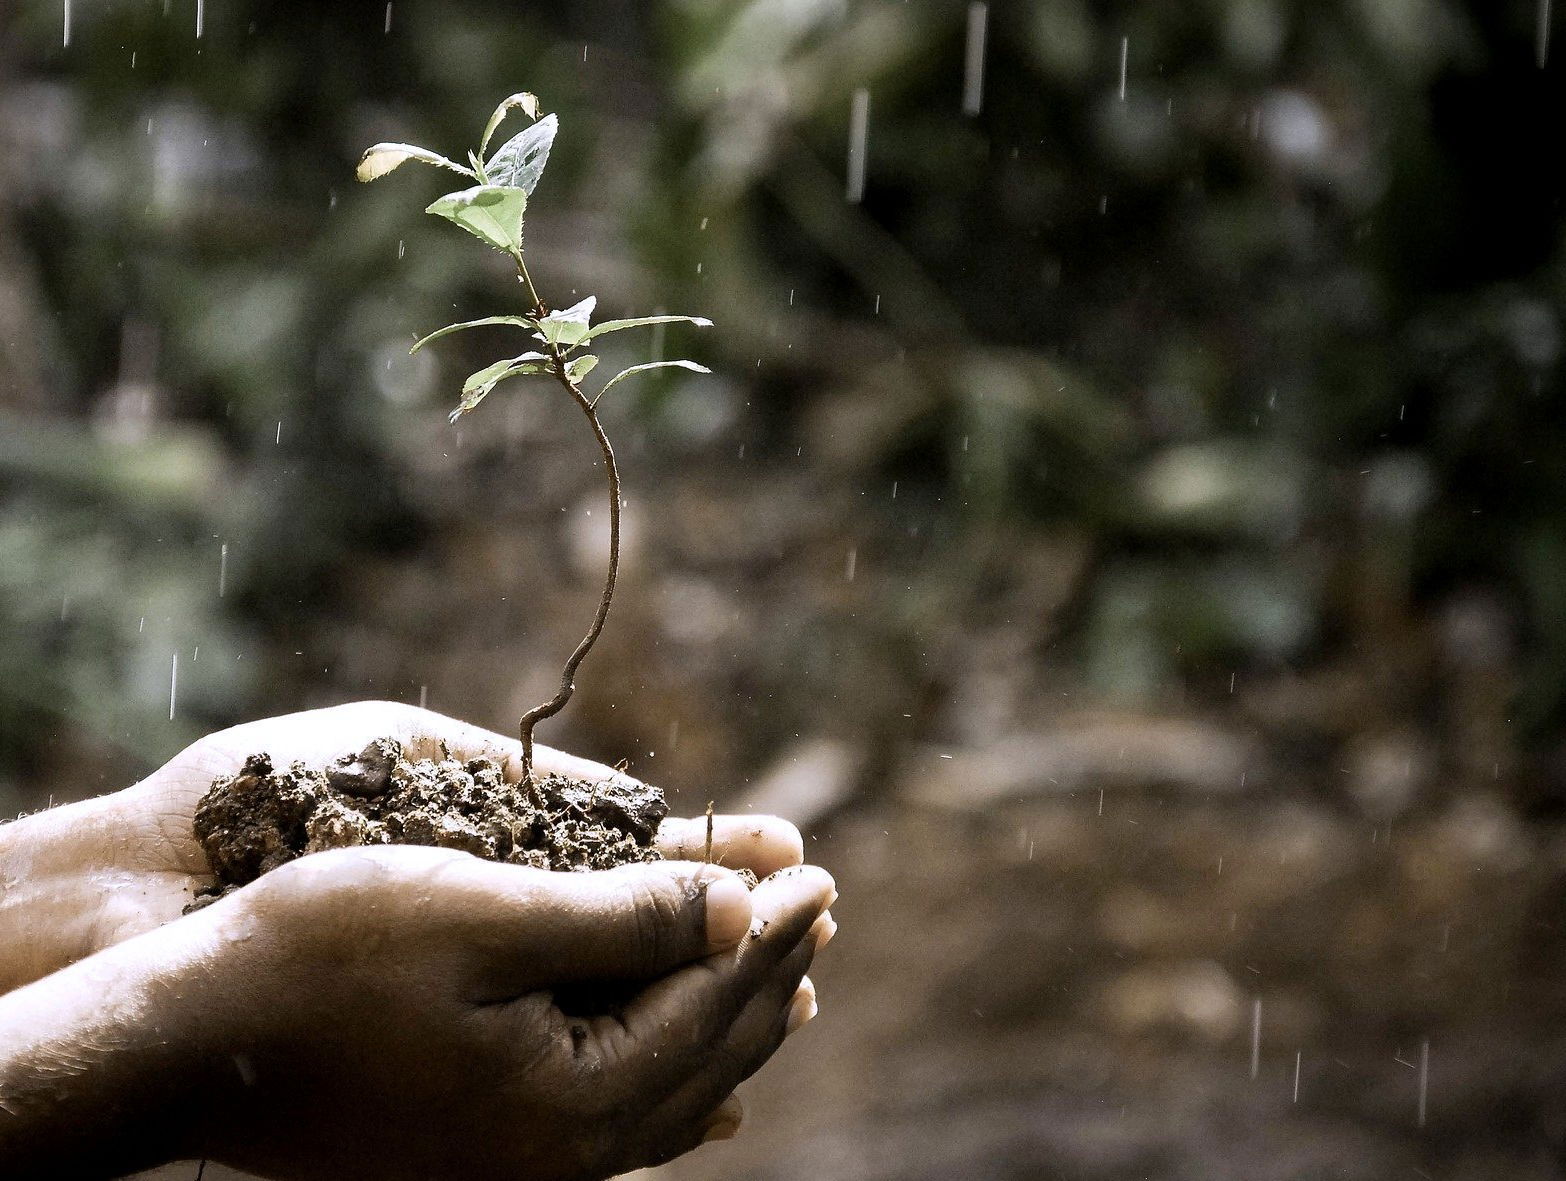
[
  {"x": 825, "y": 928},
  {"x": 724, "y": 1129},
  {"x": 801, "y": 1011},
  {"x": 728, "y": 911}
]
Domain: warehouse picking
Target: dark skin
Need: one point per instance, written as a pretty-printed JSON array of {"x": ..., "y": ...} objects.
[{"x": 394, "y": 1009}]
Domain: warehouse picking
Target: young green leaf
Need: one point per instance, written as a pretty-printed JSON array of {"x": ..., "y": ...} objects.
[
  {"x": 568, "y": 328},
  {"x": 492, "y": 213},
  {"x": 521, "y": 159},
  {"x": 382, "y": 158},
  {"x": 581, "y": 366},
  {"x": 624, "y": 373},
  {"x": 518, "y": 321},
  {"x": 641, "y": 321},
  {"x": 478, "y": 385},
  {"x": 529, "y": 105}
]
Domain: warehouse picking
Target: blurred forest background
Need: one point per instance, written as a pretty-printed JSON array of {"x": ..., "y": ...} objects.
[{"x": 1126, "y": 530}]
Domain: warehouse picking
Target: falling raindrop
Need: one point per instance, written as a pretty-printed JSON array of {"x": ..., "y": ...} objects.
[
  {"x": 222, "y": 569},
  {"x": 278, "y": 439},
  {"x": 973, "y": 62},
  {"x": 1125, "y": 54},
  {"x": 1543, "y": 34},
  {"x": 424, "y": 696},
  {"x": 858, "y": 134},
  {"x": 1256, "y": 1037},
  {"x": 66, "y": 36},
  {"x": 853, "y": 562},
  {"x": 173, "y": 684},
  {"x": 1424, "y": 1078},
  {"x": 387, "y": 29},
  {"x": 201, "y": 17},
  {"x": 1297, "y": 1055}
]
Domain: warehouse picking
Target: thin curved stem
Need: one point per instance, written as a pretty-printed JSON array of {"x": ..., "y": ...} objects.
[{"x": 568, "y": 676}]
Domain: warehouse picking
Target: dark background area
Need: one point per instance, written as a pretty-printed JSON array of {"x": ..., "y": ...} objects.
[{"x": 1129, "y": 539}]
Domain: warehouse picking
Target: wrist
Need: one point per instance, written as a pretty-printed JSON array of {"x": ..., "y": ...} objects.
[{"x": 107, "y": 1067}]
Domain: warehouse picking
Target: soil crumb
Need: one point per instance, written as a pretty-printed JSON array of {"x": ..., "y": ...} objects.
[{"x": 254, "y": 821}]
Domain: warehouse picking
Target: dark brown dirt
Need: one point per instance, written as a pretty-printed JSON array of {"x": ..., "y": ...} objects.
[{"x": 254, "y": 821}]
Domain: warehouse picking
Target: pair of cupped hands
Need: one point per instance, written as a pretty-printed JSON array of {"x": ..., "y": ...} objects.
[{"x": 388, "y": 1012}]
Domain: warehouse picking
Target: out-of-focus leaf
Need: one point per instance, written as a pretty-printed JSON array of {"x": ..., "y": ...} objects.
[
  {"x": 478, "y": 385},
  {"x": 640, "y": 321},
  {"x": 517, "y": 321},
  {"x": 492, "y": 213},
  {"x": 624, "y": 373},
  {"x": 568, "y": 327},
  {"x": 527, "y": 102},
  {"x": 383, "y": 158},
  {"x": 521, "y": 159}
]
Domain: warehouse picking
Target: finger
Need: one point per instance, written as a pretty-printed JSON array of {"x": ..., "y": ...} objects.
[
  {"x": 823, "y": 930},
  {"x": 726, "y": 1121},
  {"x": 786, "y": 1002},
  {"x": 669, "y": 1030},
  {"x": 721, "y": 1124},
  {"x": 761, "y": 844},
  {"x": 803, "y": 1006},
  {"x": 530, "y": 928}
]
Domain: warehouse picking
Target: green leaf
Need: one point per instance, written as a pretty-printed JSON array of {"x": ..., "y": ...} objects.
[
  {"x": 521, "y": 159},
  {"x": 581, "y": 367},
  {"x": 568, "y": 328},
  {"x": 478, "y": 385},
  {"x": 640, "y": 321},
  {"x": 519, "y": 321},
  {"x": 490, "y": 212},
  {"x": 382, "y": 158},
  {"x": 624, "y": 373},
  {"x": 529, "y": 105}
]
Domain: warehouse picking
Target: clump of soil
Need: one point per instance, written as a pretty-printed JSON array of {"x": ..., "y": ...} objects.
[{"x": 254, "y": 821}]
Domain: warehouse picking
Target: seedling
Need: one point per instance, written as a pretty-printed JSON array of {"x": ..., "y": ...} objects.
[{"x": 493, "y": 211}]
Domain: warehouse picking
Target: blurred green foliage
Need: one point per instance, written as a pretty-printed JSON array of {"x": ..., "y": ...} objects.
[{"x": 1269, "y": 324}]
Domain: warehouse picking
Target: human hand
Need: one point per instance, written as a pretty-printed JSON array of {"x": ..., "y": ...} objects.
[
  {"x": 396, "y": 1012},
  {"x": 93, "y": 874}
]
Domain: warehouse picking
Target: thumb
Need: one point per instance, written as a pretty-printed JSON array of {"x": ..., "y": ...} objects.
[{"x": 637, "y": 922}]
